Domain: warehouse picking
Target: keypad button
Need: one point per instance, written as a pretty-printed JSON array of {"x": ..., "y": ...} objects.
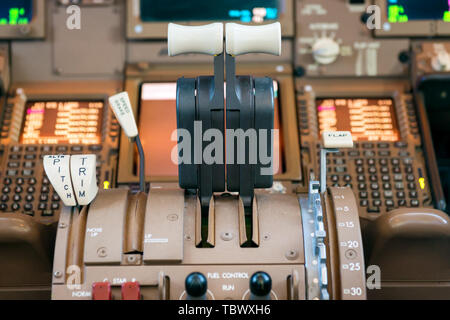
[
  {"x": 17, "y": 198},
  {"x": 376, "y": 203},
  {"x": 55, "y": 197},
  {"x": 15, "y": 206},
  {"x": 396, "y": 170},
  {"x": 4, "y": 198},
  {"x": 398, "y": 177},
  {"x": 384, "y": 153},
  {"x": 45, "y": 181},
  {"x": 385, "y": 178},
  {"x": 341, "y": 169},
  {"x": 18, "y": 189},
  {"x": 47, "y": 213},
  {"x": 388, "y": 194},
  {"x": 31, "y": 190},
  {"x": 7, "y": 181},
  {"x": 359, "y": 162},
  {"x": 334, "y": 178},
  {"x": 376, "y": 194},
  {"x": 3, "y": 207},
  {"x": 361, "y": 178},
  {"x": 411, "y": 186},
  {"x": 383, "y": 145},
  {"x": 30, "y": 157},
  {"x": 31, "y": 149},
  {"x": 28, "y": 164},
  {"x": 362, "y": 186},
  {"x": 400, "y": 195},
  {"x": 55, "y": 206},
  {"x": 45, "y": 189},
  {"x": 373, "y": 178},
  {"x": 384, "y": 170},
  {"x": 20, "y": 181},
  {"x": 383, "y": 162},
  {"x": 369, "y": 154},
  {"x": 414, "y": 203},
  {"x": 27, "y": 172},
  {"x": 373, "y": 210},
  {"x": 32, "y": 181},
  {"x": 389, "y": 203},
  {"x": 6, "y": 190},
  {"x": 61, "y": 148},
  {"x": 42, "y": 206},
  {"x": 367, "y": 145},
  {"x": 413, "y": 194},
  {"x": 363, "y": 195},
  {"x": 364, "y": 203},
  {"x": 395, "y": 162},
  {"x": 372, "y": 170},
  {"x": 399, "y": 186},
  {"x": 359, "y": 170},
  {"x": 43, "y": 197},
  {"x": 28, "y": 207},
  {"x": 29, "y": 198},
  {"x": 13, "y": 164},
  {"x": 374, "y": 186},
  {"x": 410, "y": 177},
  {"x": 347, "y": 178},
  {"x": 387, "y": 186},
  {"x": 371, "y": 162},
  {"x": 401, "y": 202},
  {"x": 401, "y": 144}
]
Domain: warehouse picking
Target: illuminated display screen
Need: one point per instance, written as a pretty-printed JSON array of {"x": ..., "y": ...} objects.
[
  {"x": 14, "y": 12},
  {"x": 366, "y": 119},
  {"x": 407, "y": 10},
  {"x": 204, "y": 10},
  {"x": 158, "y": 120},
  {"x": 63, "y": 122}
]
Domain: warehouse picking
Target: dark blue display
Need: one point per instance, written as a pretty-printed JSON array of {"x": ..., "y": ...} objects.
[
  {"x": 204, "y": 10},
  {"x": 13, "y": 12}
]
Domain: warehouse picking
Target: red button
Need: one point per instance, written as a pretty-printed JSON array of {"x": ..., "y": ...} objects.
[
  {"x": 101, "y": 291},
  {"x": 131, "y": 291}
]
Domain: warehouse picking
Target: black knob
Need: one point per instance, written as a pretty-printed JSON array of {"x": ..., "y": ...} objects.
[
  {"x": 196, "y": 285},
  {"x": 365, "y": 17},
  {"x": 404, "y": 57},
  {"x": 260, "y": 284}
]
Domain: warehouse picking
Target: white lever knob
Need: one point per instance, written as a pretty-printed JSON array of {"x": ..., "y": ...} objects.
[
  {"x": 57, "y": 169},
  {"x": 121, "y": 106},
  {"x": 84, "y": 177},
  {"x": 207, "y": 39},
  {"x": 337, "y": 139},
  {"x": 242, "y": 39}
]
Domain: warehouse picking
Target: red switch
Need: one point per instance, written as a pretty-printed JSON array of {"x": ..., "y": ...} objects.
[
  {"x": 131, "y": 291},
  {"x": 101, "y": 291}
]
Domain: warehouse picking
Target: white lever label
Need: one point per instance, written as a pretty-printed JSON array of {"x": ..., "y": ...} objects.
[
  {"x": 337, "y": 139},
  {"x": 121, "y": 105},
  {"x": 57, "y": 169},
  {"x": 84, "y": 177}
]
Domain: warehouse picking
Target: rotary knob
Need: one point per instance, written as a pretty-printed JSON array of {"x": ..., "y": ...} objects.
[
  {"x": 260, "y": 286},
  {"x": 196, "y": 286},
  {"x": 325, "y": 51}
]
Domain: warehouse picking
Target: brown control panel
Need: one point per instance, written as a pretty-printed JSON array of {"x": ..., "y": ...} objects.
[
  {"x": 386, "y": 168},
  {"x": 37, "y": 125},
  {"x": 150, "y": 241}
]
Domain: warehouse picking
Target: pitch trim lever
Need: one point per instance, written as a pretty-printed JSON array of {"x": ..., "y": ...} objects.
[{"x": 74, "y": 178}]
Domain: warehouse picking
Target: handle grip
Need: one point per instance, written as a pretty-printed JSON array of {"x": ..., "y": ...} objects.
[
  {"x": 242, "y": 39},
  {"x": 207, "y": 39}
]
